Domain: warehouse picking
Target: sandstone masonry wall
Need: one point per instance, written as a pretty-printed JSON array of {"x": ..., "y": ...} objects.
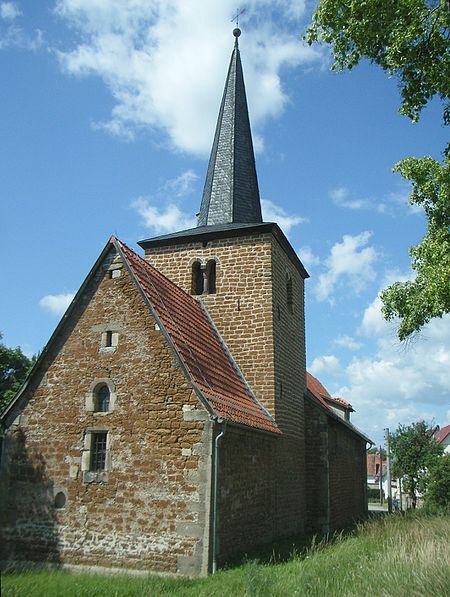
[
  {"x": 348, "y": 475},
  {"x": 317, "y": 469},
  {"x": 246, "y": 505},
  {"x": 151, "y": 508}
]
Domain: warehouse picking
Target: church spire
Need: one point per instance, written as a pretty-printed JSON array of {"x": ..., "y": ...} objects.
[{"x": 231, "y": 192}]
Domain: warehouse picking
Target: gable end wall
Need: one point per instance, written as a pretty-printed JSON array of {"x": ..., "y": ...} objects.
[{"x": 151, "y": 509}]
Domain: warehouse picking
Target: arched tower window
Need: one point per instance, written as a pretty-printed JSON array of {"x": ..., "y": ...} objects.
[
  {"x": 211, "y": 277},
  {"x": 197, "y": 278},
  {"x": 101, "y": 399},
  {"x": 289, "y": 295}
]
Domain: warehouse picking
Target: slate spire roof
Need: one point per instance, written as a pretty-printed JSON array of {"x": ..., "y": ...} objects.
[{"x": 231, "y": 193}]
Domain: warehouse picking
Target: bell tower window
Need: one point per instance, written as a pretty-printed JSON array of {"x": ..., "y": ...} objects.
[
  {"x": 197, "y": 278},
  {"x": 211, "y": 277}
]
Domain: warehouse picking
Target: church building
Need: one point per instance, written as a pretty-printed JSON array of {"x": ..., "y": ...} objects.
[{"x": 168, "y": 424}]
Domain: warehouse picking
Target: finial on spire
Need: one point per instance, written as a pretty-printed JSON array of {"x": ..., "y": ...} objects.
[
  {"x": 239, "y": 12},
  {"x": 237, "y": 31}
]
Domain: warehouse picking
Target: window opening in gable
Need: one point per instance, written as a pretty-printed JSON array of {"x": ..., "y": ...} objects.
[
  {"x": 211, "y": 276},
  {"x": 98, "y": 451},
  {"x": 101, "y": 399},
  {"x": 289, "y": 295},
  {"x": 108, "y": 338},
  {"x": 197, "y": 278}
]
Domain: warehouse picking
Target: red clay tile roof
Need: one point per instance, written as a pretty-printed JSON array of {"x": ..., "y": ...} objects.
[
  {"x": 342, "y": 402},
  {"x": 198, "y": 345},
  {"x": 322, "y": 394},
  {"x": 442, "y": 433},
  {"x": 317, "y": 389}
]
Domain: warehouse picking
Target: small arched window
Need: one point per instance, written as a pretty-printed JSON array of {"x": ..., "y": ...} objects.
[
  {"x": 211, "y": 276},
  {"x": 197, "y": 278},
  {"x": 289, "y": 295},
  {"x": 101, "y": 399}
]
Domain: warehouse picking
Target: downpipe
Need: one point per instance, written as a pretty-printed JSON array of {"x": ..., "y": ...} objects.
[{"x": 215, "y": 489}]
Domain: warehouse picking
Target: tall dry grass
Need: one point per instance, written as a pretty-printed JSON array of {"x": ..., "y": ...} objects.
[{"x": 394, "y": 556}]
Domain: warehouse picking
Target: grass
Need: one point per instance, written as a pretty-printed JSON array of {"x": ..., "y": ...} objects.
[{"x": 388, "y": 557}]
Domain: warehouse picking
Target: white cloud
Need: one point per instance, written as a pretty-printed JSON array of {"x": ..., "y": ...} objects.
[
  {"x": 164, "y": 61},
  {"x": 350, "y": 262},
  {"x": 341, "y": 198},
  {"x": 182, "y": 185},
  {"x": 161, "y": 212},
  {"x": 307, "y": 257},
  {"x": 162, "y": 220},
  {"x": 56, "y": 303},
  {"x": 275, "y": 213},
  {"x": 347, "y": 342},
  {"x": 9, "y": 11},
  {"x": 326, "y": 364},
  {"x": 397, "y": 383}
]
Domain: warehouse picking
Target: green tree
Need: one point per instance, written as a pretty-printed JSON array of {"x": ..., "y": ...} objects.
[
  {"x": 415, "y": 451},
  {"x": 438, "y": 493},
  {"x": 14, "y": 368},
  {"x": 417, "y": 301},
  {"x": 409, "y": 39}
]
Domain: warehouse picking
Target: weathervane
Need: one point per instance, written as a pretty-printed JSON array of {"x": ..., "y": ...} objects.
[{"x": 239, "y": 12}]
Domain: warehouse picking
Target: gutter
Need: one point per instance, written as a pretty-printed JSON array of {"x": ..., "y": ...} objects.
[{"x": 214, "y": 496}]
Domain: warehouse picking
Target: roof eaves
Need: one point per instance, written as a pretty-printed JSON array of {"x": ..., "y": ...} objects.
[{"x": 310, "y": 396}]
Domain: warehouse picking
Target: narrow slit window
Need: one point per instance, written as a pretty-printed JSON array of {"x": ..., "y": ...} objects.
[
  {"x": 289, "y": 295},
  {"x": 108, "y": 338},
  {"x": 98, "y": 451},
  {"x": 197, "y": 278},
  {"x": 211, "y": 276}
]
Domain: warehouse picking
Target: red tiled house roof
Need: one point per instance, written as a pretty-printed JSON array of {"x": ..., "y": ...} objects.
[
  {"x": 442, "y": 433},
  {"x": 198, "y": 344},
  {"x": 322, "y": 394}
]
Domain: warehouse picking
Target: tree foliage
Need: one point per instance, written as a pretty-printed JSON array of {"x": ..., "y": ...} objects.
[
  {"x": 417, "y": 301},
  {"x": 415, "y": 451},
  {"x": 438, "y": 493},
  {"x": 14, "y": 368},
  {"x": 409, "y": 39}
]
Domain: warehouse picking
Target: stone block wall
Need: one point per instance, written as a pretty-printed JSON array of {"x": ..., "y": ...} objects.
[
  {"x": 288, "y": 317},
  {"x": 317, "y": 469},
  {"x": 246, "y": 504},
  {"x": 348, "y": 475},
  {"x": 150, "y": 508}
]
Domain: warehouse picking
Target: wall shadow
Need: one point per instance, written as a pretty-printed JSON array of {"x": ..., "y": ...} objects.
[{"x": 28, "y": 516}]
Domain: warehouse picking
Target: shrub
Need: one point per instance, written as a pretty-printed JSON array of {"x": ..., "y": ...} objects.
[{"x": 437, "y": 497}]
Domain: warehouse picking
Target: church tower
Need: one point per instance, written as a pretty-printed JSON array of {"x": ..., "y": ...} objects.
[{"x": 251, "y": 282}]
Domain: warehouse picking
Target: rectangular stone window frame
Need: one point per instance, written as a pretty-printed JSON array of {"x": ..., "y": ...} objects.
[
  {"x": 95, "y": 476},
  {"x": 114, "y": 270},
  {"x": 109, "y": 341}
]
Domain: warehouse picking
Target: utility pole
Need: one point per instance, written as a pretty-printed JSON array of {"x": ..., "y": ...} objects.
[
  {"x": 388, "y": 464},
  {"x": 381, "y": 475}
]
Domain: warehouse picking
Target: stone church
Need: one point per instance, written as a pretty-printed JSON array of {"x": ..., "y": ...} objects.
[{"x": 168, "y": 424}]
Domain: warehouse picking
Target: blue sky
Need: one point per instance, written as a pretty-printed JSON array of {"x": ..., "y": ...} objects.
[{"x": 107, "y": 116}]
